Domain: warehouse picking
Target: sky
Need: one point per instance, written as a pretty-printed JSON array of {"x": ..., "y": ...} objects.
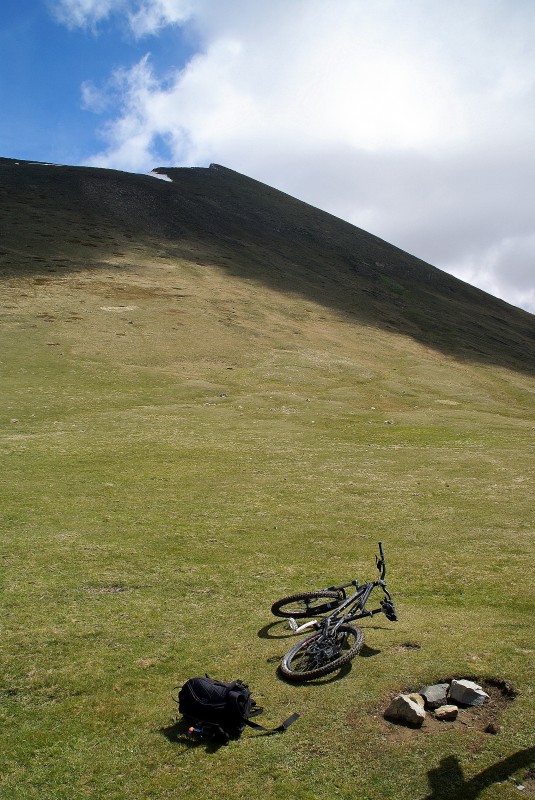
[{"x": 412, "y": 119}]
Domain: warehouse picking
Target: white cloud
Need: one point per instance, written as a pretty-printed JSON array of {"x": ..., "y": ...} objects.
[
  {"x": 505, "y": 269},
  {"x": 143, "y": 16},
  {"x": 410, "y": 118},
  {"x": 150, "y": 17},
  {"x": 84, "y": 13}
]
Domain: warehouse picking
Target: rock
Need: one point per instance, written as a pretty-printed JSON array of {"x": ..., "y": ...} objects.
[
  {"x": 417, "y": 698},
  {"x": 403, "y": 709},
  {"x": 447, "y": 713},
  {"x": 435, "y": 695},
  {"x": 468, "y": 693}
]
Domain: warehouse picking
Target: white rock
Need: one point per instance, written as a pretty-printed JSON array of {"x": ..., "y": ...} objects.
[
  {"x": 447, "y": 712},
  {"x": 467, "y": 692},
  {"x": 403, "y": 709},
  {"x": 417, "y": 698}
]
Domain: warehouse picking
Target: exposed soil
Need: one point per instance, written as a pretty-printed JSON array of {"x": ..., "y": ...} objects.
[
  {"x": 485, "y": 718},
  {"x": 529, "y": 782}
]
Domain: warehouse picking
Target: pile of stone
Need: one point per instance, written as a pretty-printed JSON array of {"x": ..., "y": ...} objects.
[{"x": 441, "y": 699}]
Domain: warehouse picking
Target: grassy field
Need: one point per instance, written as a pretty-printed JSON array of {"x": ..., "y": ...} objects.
[{"x": 180, "y": 447}]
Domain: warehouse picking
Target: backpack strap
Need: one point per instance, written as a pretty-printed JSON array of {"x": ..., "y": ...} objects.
[
  {"x": 280, "y": 729},
  {"x": 234, "y": 696}
]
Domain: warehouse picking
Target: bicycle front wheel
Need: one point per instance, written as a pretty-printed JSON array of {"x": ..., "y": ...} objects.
[
  {"x": 307, "y": 604},
  {"x": 319, "y": 654}
]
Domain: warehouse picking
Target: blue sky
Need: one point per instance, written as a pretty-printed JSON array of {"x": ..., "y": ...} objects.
[
  {"x": 43, "y": 66},
  {"x": 412, "y": 119}
]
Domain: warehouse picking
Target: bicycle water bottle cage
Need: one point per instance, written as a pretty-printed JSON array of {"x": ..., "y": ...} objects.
[{"x": 389, "y": 610}]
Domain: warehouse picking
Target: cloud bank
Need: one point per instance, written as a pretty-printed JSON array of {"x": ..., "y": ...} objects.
[{"x": 412, "y": 119}]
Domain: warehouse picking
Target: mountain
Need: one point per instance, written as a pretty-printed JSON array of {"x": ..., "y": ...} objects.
[
  {"x": 65, "y": 219},
  {"x": 214, "y": 396}
]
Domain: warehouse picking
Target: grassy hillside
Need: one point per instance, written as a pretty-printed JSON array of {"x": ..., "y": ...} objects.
[{"x": 214, "y": 395}]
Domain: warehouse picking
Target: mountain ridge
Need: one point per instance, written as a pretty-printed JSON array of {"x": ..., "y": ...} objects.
[{"x": 71, "y": 218}]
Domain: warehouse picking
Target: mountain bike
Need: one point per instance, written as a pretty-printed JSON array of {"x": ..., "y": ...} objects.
[{"x": 335, "y": 641}]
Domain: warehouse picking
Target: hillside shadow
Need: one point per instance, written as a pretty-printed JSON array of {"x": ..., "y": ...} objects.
[{"x": 74, "y": 218}]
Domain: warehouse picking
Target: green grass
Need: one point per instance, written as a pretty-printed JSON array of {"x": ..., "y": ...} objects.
[
  {"x": 149, "y": 523},
  {"x": 171, "y": 469}
]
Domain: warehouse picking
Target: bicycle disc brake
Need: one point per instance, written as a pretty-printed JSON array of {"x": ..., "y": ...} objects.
[{"x": 326, "y": 649}]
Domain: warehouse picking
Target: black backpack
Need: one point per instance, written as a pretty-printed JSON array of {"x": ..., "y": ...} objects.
[{"x": 220, "y": 709}]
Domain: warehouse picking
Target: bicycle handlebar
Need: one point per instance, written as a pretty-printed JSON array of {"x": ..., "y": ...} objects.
[{"x": 381, "y": 565}]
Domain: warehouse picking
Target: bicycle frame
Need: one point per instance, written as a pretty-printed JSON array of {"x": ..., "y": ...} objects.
[
  {"x": 335, "y": 641},
  {"x": 342, "y": 614}
]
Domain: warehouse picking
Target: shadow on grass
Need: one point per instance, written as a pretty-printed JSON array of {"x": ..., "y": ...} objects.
[
  {"x": 251, "y": 231},
  {"x": 376, "y": 627},
  {"x": 368, "y": 652},
  {"x": 178, "y": 734},
  {"x": 447, "y": 782},
  {"x": 284, "y": 633}
]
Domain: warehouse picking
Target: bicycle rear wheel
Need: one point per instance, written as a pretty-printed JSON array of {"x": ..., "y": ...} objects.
[
  {"x": 319, "y": 654},
  {"x": 307, "y": 604}
]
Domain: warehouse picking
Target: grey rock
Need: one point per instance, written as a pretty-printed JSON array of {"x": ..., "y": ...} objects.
[
  {"x": 447, "y": 713},
  {"x": 403, "y": 709},
  {"x": 435, "y": 695},
  {"x": 468, "y": 693}
]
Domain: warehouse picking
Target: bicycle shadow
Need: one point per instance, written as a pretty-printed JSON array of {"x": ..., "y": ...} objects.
[
  {"x": 368, "y": 652},
  {"x": 285, "y": 633},
  {"x": 447, "y": 781}
]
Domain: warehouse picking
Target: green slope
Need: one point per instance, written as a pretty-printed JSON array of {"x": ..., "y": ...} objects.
[{"x": 213, "y": 396}]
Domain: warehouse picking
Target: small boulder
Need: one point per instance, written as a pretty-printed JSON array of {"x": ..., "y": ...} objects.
[
  {"x": 447, "y": 713},
  {"x": 403, "y": 709},
  {"x": 435, "y": 695},
  {"x": 467, "y": 693}
]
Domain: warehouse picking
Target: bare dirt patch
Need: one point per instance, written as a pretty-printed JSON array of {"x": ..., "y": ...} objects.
[
  {"x": 485, "y": 718},
  {"x": 529, "y": 782}
]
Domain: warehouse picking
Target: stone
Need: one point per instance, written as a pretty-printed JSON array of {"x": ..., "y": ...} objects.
[
  {"x": 403, "y": 709},
  {"x": 467, "y": 693},
  {"x": 417, "y": 698},
  {"x": 447, "y": 713},
  {"x": 435, "y": 695}
]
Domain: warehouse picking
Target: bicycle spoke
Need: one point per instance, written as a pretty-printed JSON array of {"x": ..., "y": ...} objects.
[{"x": 319, "y": 653}]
